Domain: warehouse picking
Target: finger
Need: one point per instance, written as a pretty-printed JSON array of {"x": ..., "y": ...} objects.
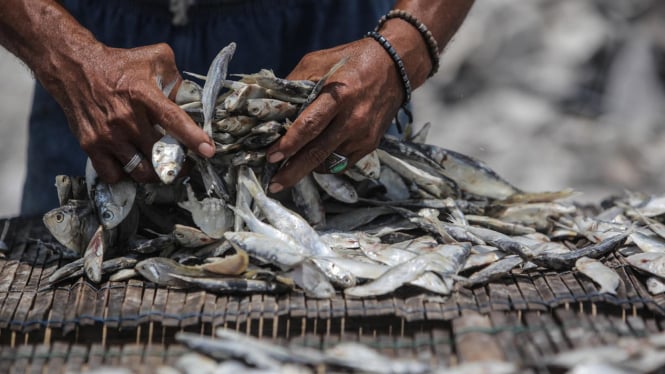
[
  {"x": 108, "y": 168},
  {"x": 143, "y": 172},
  {"x": 309, "y": 124},
  {"x": 309, "y": 157},
  {"x": 347, "y": 150},
  {"x": 177, "y": 123},
  {"x": 147, "y": 134}
]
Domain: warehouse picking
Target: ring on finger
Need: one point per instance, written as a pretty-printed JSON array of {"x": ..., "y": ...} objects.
[
  {"x": 335, "y": 163},
  {"x": 132, "y": 163}
]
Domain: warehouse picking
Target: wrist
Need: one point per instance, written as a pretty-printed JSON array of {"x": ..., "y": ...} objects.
[{"x": 408, "y": 43}]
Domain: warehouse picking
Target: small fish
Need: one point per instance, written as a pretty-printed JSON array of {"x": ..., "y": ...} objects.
[
  {"x": 188, "y": 92},
  {"x": 112, "y": 202},
  {"x": 271, "y": 109},
  {"x": 655, "y": 285},
  {"x": 269, "y": 127},
  {"x": 358, "y": 357},
  {"x": 224, "y": 349},
  {"x": 307, "y": 199},
  {"x": 434, "y": 184},
  {"x": 270, "y": 249},
  {"x": 565, "y": 261},
  {"x": 63, "y": 185},
  {"x": 395, "y": 277},
  {"x": 236, "y": 125},
  {"x": 396, "y": 189},
  {"x": 190, "y": 237},
  {"x": 168, "y": 156},
  {"x": 161, "y": 270},
  {"x": 94, "y": 256},
  {"x": 471, "y": 175},
  {"x": 652, "y": 263},
  {"x": 213, "y": 84},
  {"x": 123, "y": 275},
  {"x": 312, "y": 280},
  {"x": 607, "y": 278},
  {"x": 648, "y": 243},
  {"x": 72, "y": 224},
  {"x": 211, "y": 214},
  {"x": 369, "y": 165},
  {"x": 494, "y": 271},
  {"x": 337, "y": 187},
  {"x": 231, "y": 285}
]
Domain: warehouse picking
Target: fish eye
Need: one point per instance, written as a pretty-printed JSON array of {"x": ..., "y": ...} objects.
[
  {"x": 179, "y": 235},
  {"x": 59, "y": 217},
  {"x": 170, "y": 173},
  {"x": 107, "y": 215}
]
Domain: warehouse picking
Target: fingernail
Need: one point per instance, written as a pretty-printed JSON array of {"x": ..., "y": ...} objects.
[
  {"x": 275, "y": 157},
  {"x": 206, "y": 150},
  {"x": 275, "y": 187}
]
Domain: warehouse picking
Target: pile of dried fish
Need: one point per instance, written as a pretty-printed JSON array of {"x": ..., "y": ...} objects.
[
  {"x": 408, "y": 214},
  {"x": 230, "y": 351}
]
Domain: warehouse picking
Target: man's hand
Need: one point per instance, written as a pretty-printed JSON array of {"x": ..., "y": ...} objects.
[
  {"x": 114, "y": 111},
  {"x": 349, "y": 116},
  {"x": 112, "y": 97},
  {"x": 356, "y": 105}
]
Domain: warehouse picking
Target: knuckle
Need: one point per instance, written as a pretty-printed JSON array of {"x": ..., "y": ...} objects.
[{"x": 316, "y": 155}]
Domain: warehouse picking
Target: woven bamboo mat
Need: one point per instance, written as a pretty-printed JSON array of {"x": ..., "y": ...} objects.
[{"x": 78, "y": 325}]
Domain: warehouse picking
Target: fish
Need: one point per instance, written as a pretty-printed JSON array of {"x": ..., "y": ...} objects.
[
  {"x": 607, "y": 278},
  {"x": 655, "y": 285},
  {"x": 230, "y": 285},
  {"x": 312, "y": 280},
  {"x": 72, "y": 224},
  {"x": 307, "y": 199},
  {"x": 271, "y": 109},
  {"x": 213, "y": 84},
  {"x": 238, "y": 125},
  {"x": 369, "y": 165},
  {"x": 161, "y": 270},
  {"x": 470, "y": 174},
  {"x": 282, "y": 218},
  {"x": 94, "y": 255},
  {"x": 565, "y": 261},
  {"x": 650, "y": 262},
  {"x": 211, "y": 214},
  {"x": 112, "y": 202},
  {"x": 434, "y": 184},
  {"x": 270, "y": 249},
  {"x": 188, "y": 92},
  {"x": 168, "y": 157},
  {"x": 336, "y": 187}
]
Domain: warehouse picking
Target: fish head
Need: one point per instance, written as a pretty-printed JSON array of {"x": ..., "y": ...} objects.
[
  {"x": 168, "y": 156},
  {"x": 190, "y": 237},
  {"x": 114, "y": 202},
  {"x": 67, "y": 224}
]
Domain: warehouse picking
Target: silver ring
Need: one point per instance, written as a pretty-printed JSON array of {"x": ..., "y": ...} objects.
[
  {"x": 132, "y": 163},
  {"x": 335, "y": 163}
]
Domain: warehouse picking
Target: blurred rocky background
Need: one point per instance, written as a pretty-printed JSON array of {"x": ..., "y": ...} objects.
[{"x": 549, "y": 93}]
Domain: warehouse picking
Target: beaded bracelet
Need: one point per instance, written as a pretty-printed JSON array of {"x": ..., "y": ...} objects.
[
  {"x": 396, "y": 59},
  {"x": 432, "y": 45}
]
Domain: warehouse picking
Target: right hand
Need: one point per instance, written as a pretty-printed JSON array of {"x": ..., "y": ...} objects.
[{"x": 113, "y": 98}]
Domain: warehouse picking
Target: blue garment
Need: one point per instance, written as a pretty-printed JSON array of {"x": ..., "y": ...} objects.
[{"x": 272, "y": 34}]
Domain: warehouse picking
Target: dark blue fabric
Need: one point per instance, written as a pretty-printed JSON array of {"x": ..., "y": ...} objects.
[{"x": 272, "y": 34}]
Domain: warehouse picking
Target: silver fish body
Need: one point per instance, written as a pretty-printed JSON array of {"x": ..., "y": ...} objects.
[
  {"x": 337, "y": 187},
  {"x": 213, "y": 84}
]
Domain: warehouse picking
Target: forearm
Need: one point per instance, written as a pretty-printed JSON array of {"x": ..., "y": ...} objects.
[
  {"x": 442, "y": 18},
  {"x": 46, "y": 38}
]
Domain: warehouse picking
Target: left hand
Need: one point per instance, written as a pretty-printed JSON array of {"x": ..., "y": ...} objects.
[{"x": 350, "y": 115}]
